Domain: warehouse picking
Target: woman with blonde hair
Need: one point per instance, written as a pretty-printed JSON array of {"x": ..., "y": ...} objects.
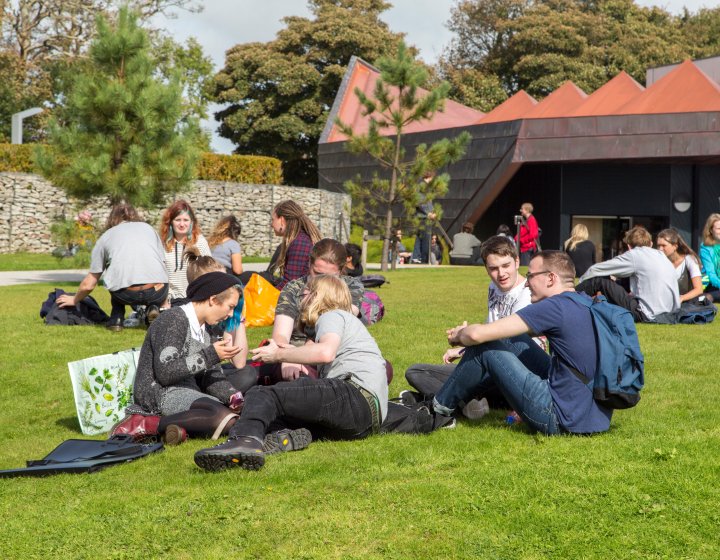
[
  {"x": 580, "y": 249},
  {"x": 710, "y": 254},
  {"x": 349, "y": 400},
  {"x": 179, "y": 229},
  {"x": 685, "y": 261},
  {"x": 224, "y": 244}
]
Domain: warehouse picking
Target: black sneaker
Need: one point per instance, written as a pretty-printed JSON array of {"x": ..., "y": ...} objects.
[
  {"x": 410, "y": 398},
  {"x": 286, "y": 440},
  {"x": 438, "y": 420},
  {"x": 245, "y": 452},
  {"x": 153, "y": 312},
  {"x": 115, "y": 325}
]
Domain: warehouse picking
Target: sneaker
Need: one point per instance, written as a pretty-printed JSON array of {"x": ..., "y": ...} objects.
[
  {"x": 174, "y": 435},
  {"x": 438, "y": 420},
  {"x": 286, "y": 440},
  {"x": 476, "y": 409},
  {"x": 415, "y": 261},
  {"x": 153, "y": 312},
  {"x": 115, "y": 325},
  {"x": 410, "y": 398},
  {"x": 245, "y": 452},
  {"x": 132, "y": 321}
]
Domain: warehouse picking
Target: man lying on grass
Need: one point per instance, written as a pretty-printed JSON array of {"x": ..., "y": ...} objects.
[{"x": 540, "y": 387}]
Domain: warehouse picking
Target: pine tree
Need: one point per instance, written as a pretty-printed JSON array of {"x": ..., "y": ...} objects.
[
  {"x": 397, "y": 103},
  {"x": 121, "y": 132}
]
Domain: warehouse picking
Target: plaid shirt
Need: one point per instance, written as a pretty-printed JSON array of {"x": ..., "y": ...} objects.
[{"x": 297, "y": 259}]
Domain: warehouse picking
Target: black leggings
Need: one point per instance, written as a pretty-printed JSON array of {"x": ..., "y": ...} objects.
[{"x": 201, "y": 420}]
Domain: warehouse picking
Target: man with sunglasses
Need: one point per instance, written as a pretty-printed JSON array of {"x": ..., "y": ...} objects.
[{"x": 541, "y": 388}]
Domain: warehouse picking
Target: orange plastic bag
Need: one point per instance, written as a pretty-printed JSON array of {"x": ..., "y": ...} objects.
[{"x": 261, "y": 297}]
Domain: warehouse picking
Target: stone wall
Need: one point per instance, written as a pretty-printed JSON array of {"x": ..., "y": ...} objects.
[{"x": 29, "y": 204}]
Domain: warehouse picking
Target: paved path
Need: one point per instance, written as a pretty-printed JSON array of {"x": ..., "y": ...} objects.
[{"x": 12, "y": 278}]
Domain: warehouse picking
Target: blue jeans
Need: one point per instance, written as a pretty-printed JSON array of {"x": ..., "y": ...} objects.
[
  {"x": 421, "y": 249},
  {"x": 518, "y": 367}
]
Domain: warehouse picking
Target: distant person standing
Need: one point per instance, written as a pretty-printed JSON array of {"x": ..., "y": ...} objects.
[
  {"x": 580, "y": 249},
  {"x": 528, "y": 234},
  {"x": 466, "y": 246},
  {"x": 425, "y": 216}
]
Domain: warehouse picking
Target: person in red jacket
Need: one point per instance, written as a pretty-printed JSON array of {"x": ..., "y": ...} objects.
[{"x": 528, "y": 234}]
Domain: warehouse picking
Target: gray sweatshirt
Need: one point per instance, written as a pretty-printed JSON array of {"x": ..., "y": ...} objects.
[{"x": 652, "y": 279}]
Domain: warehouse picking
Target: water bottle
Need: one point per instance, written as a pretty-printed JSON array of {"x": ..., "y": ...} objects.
[{"x": 513, "y": 418}]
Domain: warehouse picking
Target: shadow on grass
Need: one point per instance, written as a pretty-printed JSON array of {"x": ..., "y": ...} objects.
[{"x": 70, "y": 423}]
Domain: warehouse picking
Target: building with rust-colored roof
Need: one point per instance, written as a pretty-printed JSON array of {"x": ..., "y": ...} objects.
[{"x": 622, "y": 155}]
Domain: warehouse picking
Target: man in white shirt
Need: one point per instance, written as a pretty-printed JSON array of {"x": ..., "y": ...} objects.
[{"x": 506, "y": 295}]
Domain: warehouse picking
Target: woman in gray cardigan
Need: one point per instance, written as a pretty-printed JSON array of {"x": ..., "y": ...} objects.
[{"x": 179, "y": 375}]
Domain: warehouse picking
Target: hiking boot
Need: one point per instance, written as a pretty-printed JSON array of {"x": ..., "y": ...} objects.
[
  {"x": 115, "y": 325},
  {"x": 153, "y": 312},
  {"x": 174, "y": 435},
  {"x": 286, "y": 440},
  {"x": 245, "y": 452},
  {"x": 410, "y": 398},
  {"x": 476, "y": 409}
]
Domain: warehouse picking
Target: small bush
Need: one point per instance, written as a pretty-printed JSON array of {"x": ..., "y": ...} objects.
[
  {"x": 17, "y": 158},
  {"x": 258, "y": 170}
]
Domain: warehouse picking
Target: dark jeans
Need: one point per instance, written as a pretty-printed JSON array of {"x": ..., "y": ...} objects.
[
  {"x": 518, "y": 367},
  {"x": 133, "y": 298},
  {"x": 614, "y": 293},
  {"x": 526, "y": 257},
  {"x": 330, "y": 408},
  {"x": 421, "y": 249}
]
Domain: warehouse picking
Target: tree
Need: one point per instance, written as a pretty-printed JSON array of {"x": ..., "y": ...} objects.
[
  {"x": 121, "y": 132},
  {"x": 536, "y": 46},
  {"x": 278, "y": 95},
  {"x": 44, "y": 41},
  {"x": 395, "y": 104}
]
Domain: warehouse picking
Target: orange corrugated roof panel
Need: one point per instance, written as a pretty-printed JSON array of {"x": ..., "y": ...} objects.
[
  {"x": 514, "y": 108},
  {"x": 686, "y": 89},
  {"x": 607, "y": 99},
  {"x": 559, "y": 103},
  {"x": 364, "y": 78}
]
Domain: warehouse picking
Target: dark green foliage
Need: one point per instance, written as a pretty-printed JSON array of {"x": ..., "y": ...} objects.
[
  {"x": 397, "y": 102},
  {"x": 277, "y": 95},
  {"x": 122, "y": 132}
]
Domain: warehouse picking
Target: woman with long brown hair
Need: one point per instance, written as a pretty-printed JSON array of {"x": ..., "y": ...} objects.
[
  {"x": 224, "y": 244},
  {"x": 685, "y": 261},
  {"x": 179, "y": 229}
]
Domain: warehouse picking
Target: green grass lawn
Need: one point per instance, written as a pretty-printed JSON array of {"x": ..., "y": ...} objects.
[{"x": 649, "y": 488}]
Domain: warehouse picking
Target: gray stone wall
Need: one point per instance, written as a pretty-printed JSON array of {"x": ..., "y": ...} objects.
[{"x": 29, "y": 204}]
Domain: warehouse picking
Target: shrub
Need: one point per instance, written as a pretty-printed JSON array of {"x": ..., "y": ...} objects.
[
  {"x": 17, "y": 158},
  {"x": 240, "y": 169},
  {"x": 257, "y": 170}
]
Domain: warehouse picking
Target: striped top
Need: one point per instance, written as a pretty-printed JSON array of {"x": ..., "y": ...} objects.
[{"x": 177, "y": 271}]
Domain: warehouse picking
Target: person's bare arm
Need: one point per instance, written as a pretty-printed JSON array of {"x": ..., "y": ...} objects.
[
  {"x": 87, "y": 285},
  {"x": 323, "y": 352},
  {"x": 238, "y": 338},
  {"x": 471, "y": 335},
  {"x": 236, "y": 262},
  {"x": 283, "y": 328}
]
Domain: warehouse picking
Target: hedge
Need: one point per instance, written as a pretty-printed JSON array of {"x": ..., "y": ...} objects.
[{"x": 256, "y": 170}]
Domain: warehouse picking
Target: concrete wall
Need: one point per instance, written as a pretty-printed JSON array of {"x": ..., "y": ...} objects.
[{"x": 29, "y": 204}]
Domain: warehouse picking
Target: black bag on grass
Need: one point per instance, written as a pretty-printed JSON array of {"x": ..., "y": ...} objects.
[{"x": 85, "y": 455}]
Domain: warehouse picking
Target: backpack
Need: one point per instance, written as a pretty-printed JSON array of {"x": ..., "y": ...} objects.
[
  {"x": 620, "y": 371},
  {"x": 372, "y": 308}
]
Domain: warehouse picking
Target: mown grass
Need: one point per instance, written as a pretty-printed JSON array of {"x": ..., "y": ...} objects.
[{"x": 646, "y": 489}]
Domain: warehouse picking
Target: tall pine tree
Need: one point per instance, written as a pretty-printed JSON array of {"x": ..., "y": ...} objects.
[
  {"x": 395, "y": 104},
  {"x": 121, "y": 133}
]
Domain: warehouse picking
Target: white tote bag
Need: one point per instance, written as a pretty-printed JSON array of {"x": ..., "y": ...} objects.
[{"x": 102, "y": 386}]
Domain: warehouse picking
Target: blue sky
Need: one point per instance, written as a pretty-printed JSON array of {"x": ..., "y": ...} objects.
[{"x": 225, "y": 23}]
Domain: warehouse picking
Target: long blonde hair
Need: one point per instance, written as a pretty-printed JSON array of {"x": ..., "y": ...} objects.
[
  {"x": 325, "y": 293},
  {"x": 578, "y": 234},
  {"x": 708, "y": 238}
]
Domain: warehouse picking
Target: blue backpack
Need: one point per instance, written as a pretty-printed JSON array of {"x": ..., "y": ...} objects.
[{"x": 619, "y": 376}]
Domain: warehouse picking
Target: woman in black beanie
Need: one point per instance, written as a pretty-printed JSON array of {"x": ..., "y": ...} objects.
[{"x": 178, "y": 357}]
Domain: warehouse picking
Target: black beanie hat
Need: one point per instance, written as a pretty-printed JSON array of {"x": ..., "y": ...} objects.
[{"x": 210, "y": 284}]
